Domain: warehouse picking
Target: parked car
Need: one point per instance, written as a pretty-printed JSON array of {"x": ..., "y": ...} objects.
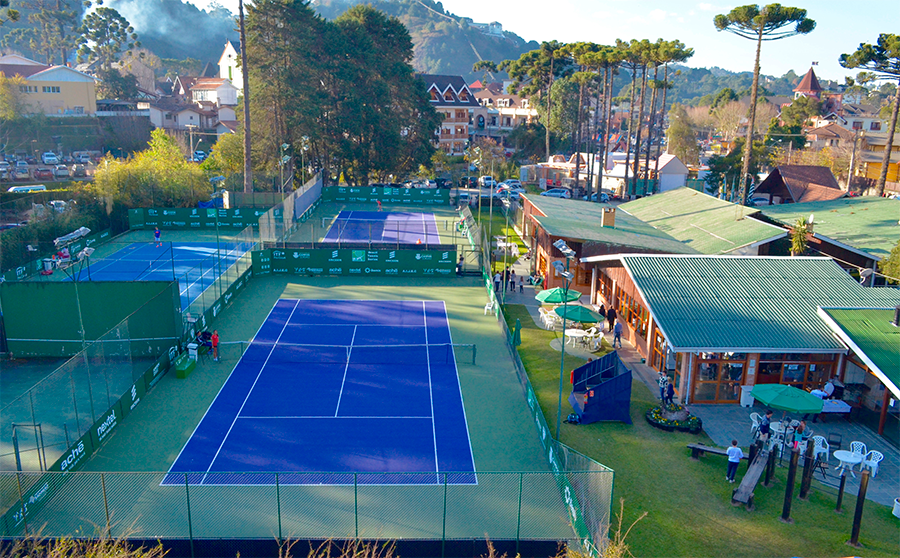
[
  {"x": 83, "y": 158},
  {"x": 509, "y": 194},
  {"x": 22, "y": 170},
  {"x": 42, "y": 173},
  {"x": 49, "y": 158},
  {"x": 5, "y": 169},
  {"x": 78, "y": 171},
  {"x": 25, "y": 189},
  {"x": 61, "y": 171},
  {"x": 199, "y": 156},
  {"x": 604, "y": 197},
  {"x": 511, "y": 183},
  {"x": 757, "y": 201},
  {"x": 466, "y": 199},
  {"x": 487, "y": 181},
  {"x": 557, "y": 193}
]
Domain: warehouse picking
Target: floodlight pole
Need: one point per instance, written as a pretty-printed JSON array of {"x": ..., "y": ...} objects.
[{"x": 569, "y": 254}]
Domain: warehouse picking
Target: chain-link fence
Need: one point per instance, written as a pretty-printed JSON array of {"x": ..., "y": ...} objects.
[{"x": 502, "y": 505}]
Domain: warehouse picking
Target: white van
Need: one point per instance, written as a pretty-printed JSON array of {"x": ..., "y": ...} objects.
[
  {"x": 49, "y": 158},
  {"x": 24, "y": 189}
]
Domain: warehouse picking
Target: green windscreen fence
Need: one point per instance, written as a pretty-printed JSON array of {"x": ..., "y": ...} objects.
[
  {"x": 196, "y": 218},
  {"x": 47, "y": 318},
  {"x": 436, "y": 261},
  {"x": 386, "y": 194}
]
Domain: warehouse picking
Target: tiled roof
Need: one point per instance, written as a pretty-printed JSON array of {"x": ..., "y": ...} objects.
[
  {"x": 23, "y": 70},
  {"x": 205, "y": 84},
  {"x": 809, "y": 83},
  {"x": 830, "y": 131},
  {"x": 706, "y": 224},
  {"x": 804, "y": 183},
  {"x": 451, "y": 85},
  {"x": 748, "y": 304},
  {"x": 580, "y": 221},
  {"x": 867, "y": 223},
  {"x": 870, "y": 334}
]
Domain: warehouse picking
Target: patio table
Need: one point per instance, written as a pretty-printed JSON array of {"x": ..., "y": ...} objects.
[{"x": 847, "y": 460}]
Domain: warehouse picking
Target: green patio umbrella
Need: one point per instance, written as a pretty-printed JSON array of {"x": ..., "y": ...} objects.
[
  {"x": 787, "y": 398},
  {"x": 557, "y": 295},
  {"x": 517, "y": 333},
  {"x": 578, "y": 313}
]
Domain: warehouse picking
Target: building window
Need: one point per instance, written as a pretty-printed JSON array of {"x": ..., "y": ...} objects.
[
  {"x": 857, "y": 125},
  {"x": 632, "y": 312},
  {"x": 168, "y": 116},
  {"x": 719, "y": 377},
  {"x": 605, "y": 285},
  {"x": 875, "y": 126},
  {"x": 50, "y": 89},
  {"x": 78, "y": 110},
  {"x": 448, "y": 96}
]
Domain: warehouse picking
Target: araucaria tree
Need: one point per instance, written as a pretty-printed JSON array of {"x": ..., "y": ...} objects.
[
  {"x": 882, "y": 59},
  {"x": 103, "y": 36},
  {"x": 769, "y": 23}
]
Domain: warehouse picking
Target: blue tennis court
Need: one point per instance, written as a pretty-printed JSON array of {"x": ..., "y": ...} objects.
[
  {"x": 380, "y": 226},
  {"x": 337, "y": 392},
  {"x": 192, "y": 264}
]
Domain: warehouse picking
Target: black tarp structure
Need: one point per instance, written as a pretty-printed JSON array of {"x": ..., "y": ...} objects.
[{"x": 604, "y": 387}]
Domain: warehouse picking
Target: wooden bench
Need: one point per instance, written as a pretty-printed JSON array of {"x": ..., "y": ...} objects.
[
  {"x": 699, "y": 449},
  {"x": 743, "y": 494}
]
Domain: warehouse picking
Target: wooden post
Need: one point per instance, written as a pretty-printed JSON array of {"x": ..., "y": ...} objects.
[
  {"x": 808, "y": 469},
  {"x": 789, "y": 488},
  {"x": 860, "y": 502},
  {"x": 770, "y": 468},
  {"x": 840, "y": 498}
]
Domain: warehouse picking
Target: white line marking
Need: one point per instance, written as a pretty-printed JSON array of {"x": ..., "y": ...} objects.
[
  {"x": 331, "y": 418},
  {"x": 258, "y": 374},
  {"x": 430, "y": 390},
  {"x": 344, "y": 379},
  {"x": 459, "y": 385}
]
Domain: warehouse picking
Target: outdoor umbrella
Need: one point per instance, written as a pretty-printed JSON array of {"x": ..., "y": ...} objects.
[
  {"x": 578, "y": 313},
  {"x": 557, "y": 295},
  {"x": 787, "y": 398},
  {"x": 517, "y": 333}
]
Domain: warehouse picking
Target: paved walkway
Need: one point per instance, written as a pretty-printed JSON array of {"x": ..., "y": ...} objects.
[{"x": 726, "y": 422}]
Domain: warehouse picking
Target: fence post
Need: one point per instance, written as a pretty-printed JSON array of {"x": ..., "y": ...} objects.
[
  {"x": 444, "y": 525},
  {"x": 519, "y": 513},
  {"x": 105, "y": 504},
  {"x": 278, "y": 498},
  {"x": 860, "y": 502},
  {"x": 356, "y": 502},
  {"x": 840, "y": 496},
  {"x": 789, "y": 489},
  {"x": 808, "y": 470},
  {"x": 187, "y": 494}
]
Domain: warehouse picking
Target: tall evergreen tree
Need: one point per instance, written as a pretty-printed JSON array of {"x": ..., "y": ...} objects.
[{"x": 769, "y": 23}]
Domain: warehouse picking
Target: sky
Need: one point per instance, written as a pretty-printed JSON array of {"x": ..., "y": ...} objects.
[{"x": 840, "y": 27}]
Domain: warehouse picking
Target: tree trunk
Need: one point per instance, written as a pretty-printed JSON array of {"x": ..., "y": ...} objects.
[
  {"x": 889, "y": 145},
  {"x": 578, "y": 133},
  {"x": 754, "y": 95},
  {"x": 662, "y": 117},
  {"x": 549, "y": 107},
  {"x": 640, "y": 126},
  {"x": 607, "y": 121},
  {"x": 245, "y": 74},
  {"x": 650, "y": 130},
  {"x": 628, "y": 189}
]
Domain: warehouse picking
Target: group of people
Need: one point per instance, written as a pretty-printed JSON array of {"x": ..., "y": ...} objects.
[
  {"x": 666, "y": 388},
  {"x": 507, "y": 281}
]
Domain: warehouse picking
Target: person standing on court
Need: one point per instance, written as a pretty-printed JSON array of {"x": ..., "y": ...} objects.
[
  {"x": 505, "y": 277},
  {"x": 459, "y": 266},
  {"x": 214, "y": 341},
  {"x": 512, "y": 280},
  {"x": 617, "y": 335},
  {"x": 663, "y": 383},
  {"x": 734, "y": 458},
  {"x": 611, "y": 317},
  {"x": 670, "y": 393},
  {"x": 497, "y": 280},
  {"x": 156, "y": 235},
  {"x": 521, "y": 284}
]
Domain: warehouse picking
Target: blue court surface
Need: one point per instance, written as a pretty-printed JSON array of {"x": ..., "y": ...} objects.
[
  {"x": 337, "y": 392},
  {"x": 383, "y": 226},
  {"x": 192, "y": 264}
]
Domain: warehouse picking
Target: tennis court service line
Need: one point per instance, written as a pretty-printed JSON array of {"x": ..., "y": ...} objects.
[
  {"x": 346, "y": 367},
  {"x": 246, "y": 397}
]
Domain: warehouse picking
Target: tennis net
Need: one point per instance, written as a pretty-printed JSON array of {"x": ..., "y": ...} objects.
[{"x": 406, "y": 354}]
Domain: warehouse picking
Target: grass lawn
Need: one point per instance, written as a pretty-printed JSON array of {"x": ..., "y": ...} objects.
[
  {"x": 498, "y": 226},
  {"x": 688, "y": 502}
]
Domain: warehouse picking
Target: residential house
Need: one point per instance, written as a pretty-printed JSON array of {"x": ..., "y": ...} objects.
[
  {"x": 872, "y": 156},
  {"x": 230, "y": 65},
  {"x": 219, "y": 91},
  {"x": 559, "y": 171},
  {"x": 672, "y": 172},
  {"x": 722, "y": 324},
  {"x": 829, "y": 135},
  {"x": 500, "y": 112},
  {"x": 451, "y": 97},
  {"x": 809, "y": 87},
  {"x": 800, "y": 183},
  {"x": 52, "y": 90}
]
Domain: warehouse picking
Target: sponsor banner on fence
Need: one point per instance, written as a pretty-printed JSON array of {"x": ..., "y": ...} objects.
[
  {"x": 387, "y": 194},
  {"x": 26, "y": 270},
  {"x": 346, "y": 261},
  {"x": 196, "y": 218}
]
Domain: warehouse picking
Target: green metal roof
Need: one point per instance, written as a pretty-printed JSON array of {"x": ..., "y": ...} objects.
[
  {"x": 868, "y": 224},
  {"x": 707, "y": 224},
  {"x": 871, "y": 335},
  {"x": 580, "y": 220},
  {"x": 748, "y": 303}
]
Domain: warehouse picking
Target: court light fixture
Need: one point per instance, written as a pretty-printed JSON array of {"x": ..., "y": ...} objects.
[{"x": 564, "y": 248}]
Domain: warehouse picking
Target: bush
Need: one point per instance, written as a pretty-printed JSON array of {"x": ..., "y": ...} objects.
[{"x": 674, "y": 417}]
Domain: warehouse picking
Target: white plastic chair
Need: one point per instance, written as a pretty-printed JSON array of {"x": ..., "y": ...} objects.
[
  {"x": 871, "y": 461},
  {"x": 543, "y": 312},
  {"x": 489, "y": 307},
  {"x": 754, "y": 428},
  {"x": 589, "y": 335},
  {"x": 820, "y": 446},
  {"x": 858, "y": 448}
]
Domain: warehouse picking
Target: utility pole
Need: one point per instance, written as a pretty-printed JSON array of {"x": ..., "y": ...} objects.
[{"x": 856, "y": 135}]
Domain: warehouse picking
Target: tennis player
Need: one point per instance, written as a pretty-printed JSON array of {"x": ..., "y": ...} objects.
[
  {"x": 214, "y": 340},
  {"x": 156, "y": 234}
]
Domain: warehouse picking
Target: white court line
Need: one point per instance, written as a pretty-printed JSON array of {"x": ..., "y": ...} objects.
[
  {"x": 431, "y": 394},
  {"x": 344, "y": 379},
  {"x": 332, "y": 418},
  {"x": 459, "y": 386},
  {"x": 258, "y": 374}
]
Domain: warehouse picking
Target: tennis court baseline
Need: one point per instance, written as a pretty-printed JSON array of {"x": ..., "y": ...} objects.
[
  {"x": 192, "y": 264},
  {"x": 381, "y": 226},
  {"x": 337, "y": 392}
]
